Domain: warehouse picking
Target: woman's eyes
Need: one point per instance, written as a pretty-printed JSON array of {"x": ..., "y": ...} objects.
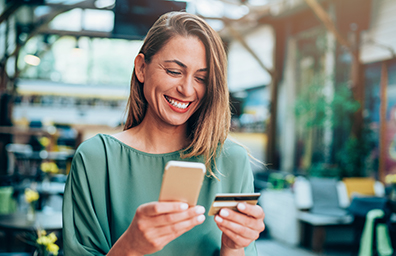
[
  {"x": 172, "y": 72},
  {"x": 177, "y": 73},
  {"x": 201, "y": 80}
]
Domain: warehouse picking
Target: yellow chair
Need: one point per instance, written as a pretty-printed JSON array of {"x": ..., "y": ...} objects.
[{"x": 360, "y": 186}]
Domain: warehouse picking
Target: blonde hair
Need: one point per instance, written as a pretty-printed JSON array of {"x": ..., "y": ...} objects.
[{"x": 210, "y": 124}]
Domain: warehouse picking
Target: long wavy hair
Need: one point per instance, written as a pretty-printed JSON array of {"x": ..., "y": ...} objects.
[{"x": 210, "y": 124}]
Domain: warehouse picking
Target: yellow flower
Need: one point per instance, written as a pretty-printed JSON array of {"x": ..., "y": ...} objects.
[
  {"x": 45, "y": 244},
  {"x": 52, "y": 237},
  {"x": 44, "y": 141},
  {"x": 31, "y": 195},
  {"x": 49, "y": 167},
  {"x": 53, "y": 248},
  {"x": 48, "y": 241},
  {"x": 44, "y": 240}
]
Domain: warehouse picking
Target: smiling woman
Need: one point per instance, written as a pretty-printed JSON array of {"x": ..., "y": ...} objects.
[
  {"x": 178, "y": 110},
  {"x": 177, "y": 38}
]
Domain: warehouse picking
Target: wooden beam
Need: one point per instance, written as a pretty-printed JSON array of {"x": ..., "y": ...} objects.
[
  {"x": 383, "y": 105},
  {"x": 358, "y": 88},
  {"x": 326, "y": 20},
  {"x": 81, "y": 33},
  {"x": 272, "y": 152},
  {"x": 10, "y": 10},
  {"x": 240, "y": 38}
]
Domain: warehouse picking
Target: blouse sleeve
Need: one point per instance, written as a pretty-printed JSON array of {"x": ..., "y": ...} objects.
[
  {"x": 236, "y": 169},
  {"x": 238, "y": 176},
  {"x": 85, "y": 228}
]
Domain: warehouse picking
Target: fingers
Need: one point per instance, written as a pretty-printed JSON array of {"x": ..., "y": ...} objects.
[
  {"x": 180, "y": 227},
  {"x": 236, "y": 228},
  {"x": 168, "y": 218},
  {"x": 156, "y": 224},
  {"x": 175, "y": 217},
  {"x": 251, "y": 216},
  {"x": 251, "y": 210},
  {"x": 168, "y": 213},
  {"x": 239, "y": 226},
  {"x": 156, "y": 208}
]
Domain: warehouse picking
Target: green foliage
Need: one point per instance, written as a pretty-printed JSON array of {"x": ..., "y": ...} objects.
[
  {"x": 314, "y": 109},
  {"x": 349, "y": 157},
  {"x": 353, "y": 158},
  {"x": 310, "y": 106},
  {"x": 324, "y": 170},
  {"x": 343, "y": 105}
]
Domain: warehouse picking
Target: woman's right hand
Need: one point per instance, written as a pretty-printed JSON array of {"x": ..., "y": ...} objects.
[{"x": 156, "y": 224}]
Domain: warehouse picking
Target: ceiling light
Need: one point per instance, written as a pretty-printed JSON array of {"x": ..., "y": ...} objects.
[{"x": 32, "y": 60}]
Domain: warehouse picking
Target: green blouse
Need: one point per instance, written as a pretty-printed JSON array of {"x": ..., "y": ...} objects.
[{"x": 108, "y": 180}]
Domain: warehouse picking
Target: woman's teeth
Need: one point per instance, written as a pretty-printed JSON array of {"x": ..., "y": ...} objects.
[{"x": 177, "y": 104}]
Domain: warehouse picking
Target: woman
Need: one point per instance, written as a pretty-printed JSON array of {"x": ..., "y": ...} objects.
[{"x": 178, "y": 109}]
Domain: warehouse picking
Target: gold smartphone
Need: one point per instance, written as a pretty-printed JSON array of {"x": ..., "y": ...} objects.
[{"x": 182, "y": 182}]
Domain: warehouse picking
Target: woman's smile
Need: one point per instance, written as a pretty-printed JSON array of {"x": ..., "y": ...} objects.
[{"x": 178, "y": 105}]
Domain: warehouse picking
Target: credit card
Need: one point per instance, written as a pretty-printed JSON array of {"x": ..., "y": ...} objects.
[{"x": 231, "y": 200}]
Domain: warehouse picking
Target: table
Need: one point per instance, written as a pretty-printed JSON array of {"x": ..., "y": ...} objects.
[{"x": 18, "y": 222}]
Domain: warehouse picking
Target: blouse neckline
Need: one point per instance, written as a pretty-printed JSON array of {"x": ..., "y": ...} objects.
[{"x": 139, "y": 151}]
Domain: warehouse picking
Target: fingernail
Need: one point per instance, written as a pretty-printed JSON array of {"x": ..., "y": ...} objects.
[
  {"x": 241, "y": 206},
  {"x": 199, "y": 209},
  {"x": 184, "y": 206},
  {"x": 224, "y": 213},
  {"x": 201, "y": 218},
  {"x": 218, "y": 218}
]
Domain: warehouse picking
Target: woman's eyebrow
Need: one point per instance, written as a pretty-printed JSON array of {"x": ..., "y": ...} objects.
[
  {"x": 178, "y": 63},
  {"x": 181, "y": 64}
]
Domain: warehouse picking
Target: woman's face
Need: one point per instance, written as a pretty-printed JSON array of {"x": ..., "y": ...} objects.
[{"x": 174, "y": 80}]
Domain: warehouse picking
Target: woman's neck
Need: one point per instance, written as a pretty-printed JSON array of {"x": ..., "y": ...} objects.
[{"x": 155, "y": 138}]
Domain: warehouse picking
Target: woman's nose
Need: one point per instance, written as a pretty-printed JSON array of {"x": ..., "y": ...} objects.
[{"x": 186, "y": 87}]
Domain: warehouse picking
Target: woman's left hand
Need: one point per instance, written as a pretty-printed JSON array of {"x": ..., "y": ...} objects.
[{"x": 240, "y": 228}]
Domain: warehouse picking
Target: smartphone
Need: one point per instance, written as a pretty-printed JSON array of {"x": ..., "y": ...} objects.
[
  {"x": 231, "y": 200},
  {"x": 182, "y": 182}
]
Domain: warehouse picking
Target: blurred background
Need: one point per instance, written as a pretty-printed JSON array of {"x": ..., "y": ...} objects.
[{"x": 313, "y": 91}]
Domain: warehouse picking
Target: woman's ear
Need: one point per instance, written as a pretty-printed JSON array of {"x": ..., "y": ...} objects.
[{"x": 140, "y": 65}]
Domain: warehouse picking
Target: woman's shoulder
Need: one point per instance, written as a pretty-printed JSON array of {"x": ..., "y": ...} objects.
[
  {"x": 94, "y": 153},
  {"x": 232, "y": 153},
  {"x": 234, "y": 164},
  {"x": 233, "y": 148},
  {"x": 94, "y": 145},
  {"x": 90, "y": 143}
]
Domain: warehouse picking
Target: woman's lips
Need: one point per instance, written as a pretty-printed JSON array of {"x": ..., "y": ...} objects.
[{"x": 180, "y": 106}]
